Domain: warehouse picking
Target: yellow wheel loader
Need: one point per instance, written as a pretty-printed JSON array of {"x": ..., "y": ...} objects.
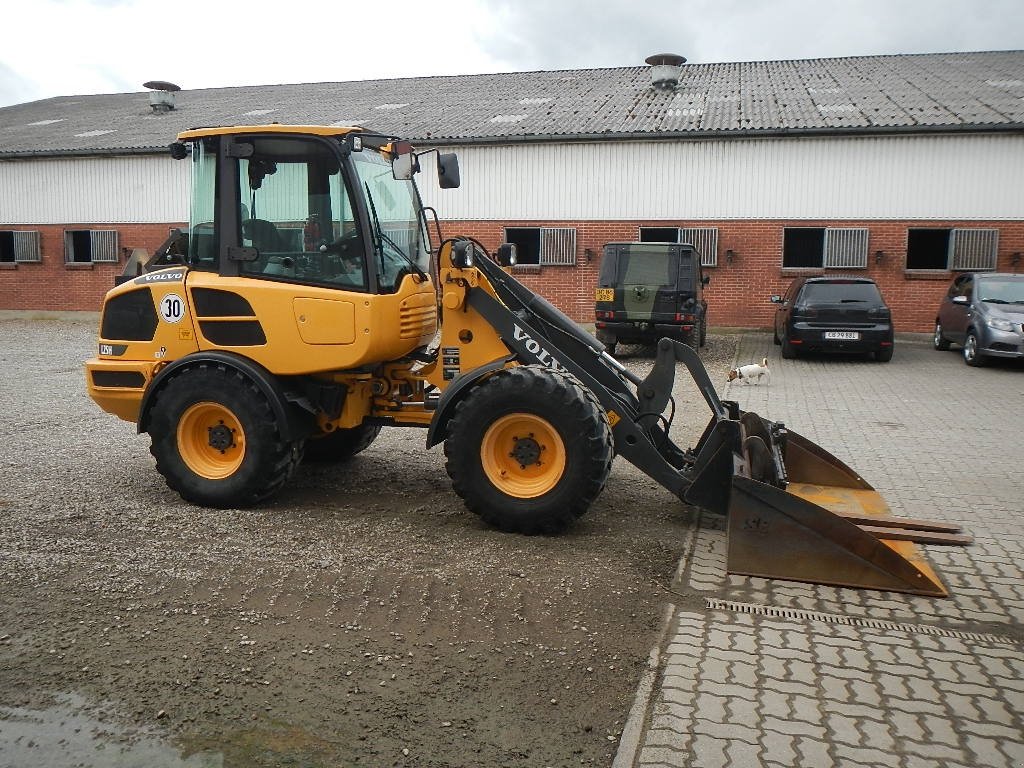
[{"x": 304, "y": 309}]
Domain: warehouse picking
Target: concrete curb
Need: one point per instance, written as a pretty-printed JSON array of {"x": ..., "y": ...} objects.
[{"x": 633, "y": 731}]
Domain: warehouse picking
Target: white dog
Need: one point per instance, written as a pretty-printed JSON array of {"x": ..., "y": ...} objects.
[{"x": 752, "y": 373}]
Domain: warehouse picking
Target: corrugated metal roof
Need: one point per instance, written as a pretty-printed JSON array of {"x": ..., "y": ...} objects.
[{"x": 934, "y": 92}]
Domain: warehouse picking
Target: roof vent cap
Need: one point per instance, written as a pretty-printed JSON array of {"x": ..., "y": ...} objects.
[
  {"x": 666, "y": 69},
  {"x": 161, "y": 95}
]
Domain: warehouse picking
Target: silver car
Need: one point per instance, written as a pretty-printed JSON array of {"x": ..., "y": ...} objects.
[{"x": 984, "y": 312}]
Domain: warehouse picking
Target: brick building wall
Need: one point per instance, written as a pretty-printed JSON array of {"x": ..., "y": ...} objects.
[
  {"x": 737, "y": 296},
  {"x": 54, "y": 285}
]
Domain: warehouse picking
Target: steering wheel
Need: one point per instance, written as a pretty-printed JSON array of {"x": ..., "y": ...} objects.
[{"x": 347, "y": 245}]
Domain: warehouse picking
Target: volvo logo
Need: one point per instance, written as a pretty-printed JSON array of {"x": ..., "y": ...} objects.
[{"x": 533, "y": 346}]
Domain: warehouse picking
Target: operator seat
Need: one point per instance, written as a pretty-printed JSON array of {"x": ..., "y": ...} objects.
[{"x": 264, "y": 235}]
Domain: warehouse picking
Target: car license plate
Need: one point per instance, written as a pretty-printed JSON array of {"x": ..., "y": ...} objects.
[
  {"x": 605, "y": 294},
  {"x": 842, "y": 335}
]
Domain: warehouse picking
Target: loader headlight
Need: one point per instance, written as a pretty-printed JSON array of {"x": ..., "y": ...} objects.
[
  {"x": 506, "y": 255},
  {"x": 463, "y": 254},
  {"x": 999, "y": 324}
]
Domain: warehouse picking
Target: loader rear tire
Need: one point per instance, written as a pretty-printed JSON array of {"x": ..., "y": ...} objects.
[
  {"x": 341, "y": 444},
  {"x": 529, "y": 450},
  {"x": 216, "y": 440}
]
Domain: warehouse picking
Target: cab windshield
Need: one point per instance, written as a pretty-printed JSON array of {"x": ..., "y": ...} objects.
[{"x": 399, "y": 240}]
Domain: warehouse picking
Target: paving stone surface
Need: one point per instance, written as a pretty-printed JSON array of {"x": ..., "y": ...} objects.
[{"x": 758, "y": 672}]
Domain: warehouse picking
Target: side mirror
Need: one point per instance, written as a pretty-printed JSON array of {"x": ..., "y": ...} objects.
[
  {"x": 961, "y": 300},
  {"x": 404, "y": 166},
  {"x": 776, "y": 299},
  {"x": 448, "y": 170}
]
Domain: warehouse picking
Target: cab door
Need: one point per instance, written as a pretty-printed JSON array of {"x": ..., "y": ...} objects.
[{"x": 293, "y": 288}]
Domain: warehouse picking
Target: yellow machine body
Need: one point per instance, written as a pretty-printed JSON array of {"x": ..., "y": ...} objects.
[{"x": 305, "y": 309}]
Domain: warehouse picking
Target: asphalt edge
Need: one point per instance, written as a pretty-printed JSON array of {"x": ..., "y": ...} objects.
[{"x": 633, "y": 730}]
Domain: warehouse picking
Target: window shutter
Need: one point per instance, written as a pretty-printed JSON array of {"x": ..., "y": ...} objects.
[
  {"x": 69, "y": 246},
  {"x": 846, "y": 248},
  {"x": 557, "y": 246},
  {"x": 973, "y": 249},
  {"x": 104, "y": 245},
  {"x": 26, "y": 246},
  {"x": 705, "y": 240}
]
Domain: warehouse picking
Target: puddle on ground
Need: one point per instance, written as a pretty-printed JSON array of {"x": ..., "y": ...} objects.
[{"x": 73, "y": 733}]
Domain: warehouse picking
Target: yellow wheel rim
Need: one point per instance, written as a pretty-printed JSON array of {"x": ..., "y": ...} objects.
[
  {"x": 211, "y": 440},
  {"x": 523, "y": 455}
]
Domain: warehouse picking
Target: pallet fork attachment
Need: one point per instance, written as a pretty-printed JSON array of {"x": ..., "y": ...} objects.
[{"x": 794, "y": 511}]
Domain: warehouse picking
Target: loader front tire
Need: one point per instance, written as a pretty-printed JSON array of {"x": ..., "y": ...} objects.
[
  {"x": 216, "y": 440},
  {"x": 529, "y": 450},
  {"x": 341, "y": 444}
]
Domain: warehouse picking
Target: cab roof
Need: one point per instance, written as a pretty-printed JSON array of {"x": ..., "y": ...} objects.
[{"x": 316, "y": 130}]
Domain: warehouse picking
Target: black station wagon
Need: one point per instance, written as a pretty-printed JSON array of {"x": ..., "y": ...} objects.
[{"x": 834, "y": 314}]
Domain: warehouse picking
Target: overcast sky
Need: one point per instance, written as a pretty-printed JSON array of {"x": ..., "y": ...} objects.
[{"x": 72, "y": 47}]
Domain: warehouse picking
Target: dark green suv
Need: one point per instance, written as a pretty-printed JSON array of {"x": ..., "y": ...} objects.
[{"x": 649, "y": 290}]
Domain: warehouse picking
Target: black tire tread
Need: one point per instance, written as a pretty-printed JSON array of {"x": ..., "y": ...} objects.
[
  {"x": 341, "y": 444},
  {"x": 277, "y": 458},
  {"x": 519, "y": 387}
]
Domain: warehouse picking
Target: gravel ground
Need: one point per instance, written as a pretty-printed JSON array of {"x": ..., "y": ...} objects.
[{"x": 361, "y": 617}]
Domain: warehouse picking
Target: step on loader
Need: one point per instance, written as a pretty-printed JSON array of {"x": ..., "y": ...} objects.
[{"x": 304, "y": 309}]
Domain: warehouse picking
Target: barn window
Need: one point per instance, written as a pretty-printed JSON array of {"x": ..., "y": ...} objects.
[
  {"x": 824, "y": 248},
  {"x": 659, "y": 234},
  {"x": 544, "y": 246},
  {"x": 703, "y": 239},
  {"x": 85, "y": 246},
  {"x": 963, "y": 249},
  {"x": 19, "y": 246}
]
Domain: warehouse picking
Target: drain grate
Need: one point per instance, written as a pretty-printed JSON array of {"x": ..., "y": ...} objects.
[{"x": 855, "y": 621}]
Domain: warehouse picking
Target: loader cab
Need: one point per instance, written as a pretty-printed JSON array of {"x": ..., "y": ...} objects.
[
  {"x": 316, "y": 209},
  {"x": 308, "y": 249}
]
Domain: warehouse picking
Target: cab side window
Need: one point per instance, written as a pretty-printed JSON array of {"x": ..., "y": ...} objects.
[{"x": 295, "y": 211}]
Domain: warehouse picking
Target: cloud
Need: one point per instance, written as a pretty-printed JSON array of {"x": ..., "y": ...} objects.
[
  {"x": 13, "y": 88},
  {"x": 64, "y": 47},
  {"x": 572, "y": 34},
  {"x": 542, "y": 34}
]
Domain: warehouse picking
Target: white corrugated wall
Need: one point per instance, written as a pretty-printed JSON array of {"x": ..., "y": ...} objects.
[
  {"x": 101, "y": 190},
  {"x": 909, "y": 177}
]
